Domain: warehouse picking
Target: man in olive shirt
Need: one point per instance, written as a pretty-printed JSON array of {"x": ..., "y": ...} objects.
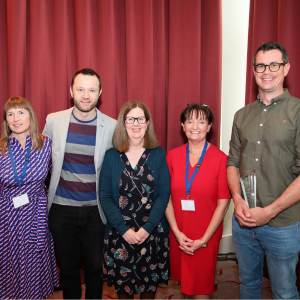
[{"x": 266, "y": 138}]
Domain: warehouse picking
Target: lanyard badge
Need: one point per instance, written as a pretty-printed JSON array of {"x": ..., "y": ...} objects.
[
  {"x": 21, "y": 199},
  {"x": 188, "y": 204}
]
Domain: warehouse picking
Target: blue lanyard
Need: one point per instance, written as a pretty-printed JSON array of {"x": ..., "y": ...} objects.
[
  {"x": 27, "y": 156},
  {"x": 188, "y": 183}
]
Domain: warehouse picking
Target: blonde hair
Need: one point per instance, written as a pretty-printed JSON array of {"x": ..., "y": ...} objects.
[
  {"x": 120, "y": 138},
  {"x": 36, "y": 138}
]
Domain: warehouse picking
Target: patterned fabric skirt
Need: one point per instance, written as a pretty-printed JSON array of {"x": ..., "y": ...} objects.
[
  {"x": 134, "y": 269},
  {"x": 27, "y": 261}
]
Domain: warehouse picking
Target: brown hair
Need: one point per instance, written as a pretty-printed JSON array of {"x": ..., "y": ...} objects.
[
  {"x": 201, "y": 110},
  {"x": 86, "y": 71},
  {"x": 19, "y": 102},
  {"x": 272, "y": 46},
  {"x": 120, "y": 138}
]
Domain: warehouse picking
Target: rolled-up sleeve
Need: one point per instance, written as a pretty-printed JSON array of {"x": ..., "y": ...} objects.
[{"x": 235, "y": 147}]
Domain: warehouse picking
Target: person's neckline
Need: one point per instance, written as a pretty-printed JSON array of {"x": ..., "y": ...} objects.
[
  {"x": 84, "y": 121},
  {"x": 193, "y": 167}
]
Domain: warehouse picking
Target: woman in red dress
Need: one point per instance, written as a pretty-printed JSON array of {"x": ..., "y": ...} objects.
[{"x": 199, "y": 200}]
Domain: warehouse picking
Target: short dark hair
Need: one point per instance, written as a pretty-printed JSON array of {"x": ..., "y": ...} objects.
[
  {"x": 120, "y": 138},
  {"x": 86, "y": 71},
  {"x": 199, "y": 109},
  {"x": 272, "y": 46}
]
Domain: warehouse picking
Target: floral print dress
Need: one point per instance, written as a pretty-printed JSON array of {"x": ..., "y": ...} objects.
[{"x": 136, "y": 268}]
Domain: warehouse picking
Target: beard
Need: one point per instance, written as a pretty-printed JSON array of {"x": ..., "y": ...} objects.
[{"x": 85, "y": 109}]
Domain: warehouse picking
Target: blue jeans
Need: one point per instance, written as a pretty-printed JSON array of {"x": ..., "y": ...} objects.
[
  {"x": 281, "y": 245},
  {"x": 77, "y": 230}
]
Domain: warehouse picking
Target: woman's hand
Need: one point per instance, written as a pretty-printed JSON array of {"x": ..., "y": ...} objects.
[
  {"x": 131, "y": 237},
  {"x": 185, "y": 244},
  {"x": 192, "y": 246},
  {"x": 143, "y": 234},
  {"x": 195, "y": 245}
]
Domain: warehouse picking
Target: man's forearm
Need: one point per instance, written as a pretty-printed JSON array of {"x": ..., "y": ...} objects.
[
  {"x": 288, "y": 198},
  {"x": 233, "y": 179}
]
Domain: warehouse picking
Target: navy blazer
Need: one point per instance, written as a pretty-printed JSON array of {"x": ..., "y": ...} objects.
[{"x": 110, "y": 175}]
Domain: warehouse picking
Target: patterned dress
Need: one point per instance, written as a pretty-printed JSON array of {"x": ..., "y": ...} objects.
[
  {"x": 27, "y": 261},
  {"x": 136, "y": 268}
]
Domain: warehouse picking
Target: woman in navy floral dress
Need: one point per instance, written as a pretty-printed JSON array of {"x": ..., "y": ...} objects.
[
  {"x": 134, "y": 192},
  {"x": 27, "y": 261}
]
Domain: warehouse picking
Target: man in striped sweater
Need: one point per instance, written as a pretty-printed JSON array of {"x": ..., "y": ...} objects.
[{"x": 80, "y": 136}]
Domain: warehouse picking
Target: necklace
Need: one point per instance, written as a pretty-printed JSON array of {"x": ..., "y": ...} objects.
[
  {"x": 143, "y": 199},
  {"x": 195, "y": 153}
]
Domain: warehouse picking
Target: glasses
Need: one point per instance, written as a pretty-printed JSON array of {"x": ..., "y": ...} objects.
[
  {"x": 205, "y": 105},
  {"x": 273, "y": 67},
  {"x": 131, "y": 120}
]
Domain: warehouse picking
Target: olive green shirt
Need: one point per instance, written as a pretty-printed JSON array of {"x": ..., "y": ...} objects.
[{"x": 267, "y": 139}]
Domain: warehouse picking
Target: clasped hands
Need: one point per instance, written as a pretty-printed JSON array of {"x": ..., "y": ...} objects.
[
  {"x": 132, "y": 237},
  {"x": 252, "y": 217},
  {"x": 187, "y": 245}
]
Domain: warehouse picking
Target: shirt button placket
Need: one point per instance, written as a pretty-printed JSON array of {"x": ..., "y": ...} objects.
[{"x": 258, "y": 147}]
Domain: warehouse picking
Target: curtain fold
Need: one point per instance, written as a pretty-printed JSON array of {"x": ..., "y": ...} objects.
[
  {"x": 166, "y": 53},
  {"x": 3, "y": 51},
  {"x": 278, "y": 21}
]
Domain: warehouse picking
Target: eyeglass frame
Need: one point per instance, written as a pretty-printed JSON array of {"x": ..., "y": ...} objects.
[
  {"x": 269, "y": 66},
  {"x": 125, "y": 119}
]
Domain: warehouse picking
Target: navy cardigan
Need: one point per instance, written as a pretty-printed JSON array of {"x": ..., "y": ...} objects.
[{"x": 110, "y": 175}]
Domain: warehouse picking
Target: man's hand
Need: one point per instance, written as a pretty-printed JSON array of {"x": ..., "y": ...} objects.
[
  {"x": 143, "y": 234},
  {"x": 242, "y": 213},
  {"x": 131, "y": 237},
  {"x": 262, "y": 216},
  {"x": 241, "y": 210}
]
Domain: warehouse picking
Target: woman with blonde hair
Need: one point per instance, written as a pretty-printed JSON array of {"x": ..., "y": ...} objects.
[
  {"x": 27, "y": 261},
  {"x": 134, "y": 193}
]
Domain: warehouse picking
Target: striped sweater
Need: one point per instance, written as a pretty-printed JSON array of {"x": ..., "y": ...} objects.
[{"x": 77, "y": 184}]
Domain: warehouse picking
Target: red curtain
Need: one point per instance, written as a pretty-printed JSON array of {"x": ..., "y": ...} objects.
[
  {"x": 166, "y": 53},
  {"x": 278, "y": 21}
]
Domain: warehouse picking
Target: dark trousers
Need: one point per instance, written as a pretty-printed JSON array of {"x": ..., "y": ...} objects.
[{"x": 77, "y": 230}]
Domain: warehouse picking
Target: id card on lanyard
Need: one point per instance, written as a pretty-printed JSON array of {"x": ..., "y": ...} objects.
[
  {"x": 22, "y": 199},
  {"x": 189, "y": 204}
]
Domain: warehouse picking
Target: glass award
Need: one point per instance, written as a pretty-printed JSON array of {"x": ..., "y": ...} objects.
[{"x": 248, "y": 184}]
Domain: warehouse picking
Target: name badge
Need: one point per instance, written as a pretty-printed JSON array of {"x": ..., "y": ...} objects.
[
  {"x": 20, "y": 200},
  {"x": 188, "y": 205}
]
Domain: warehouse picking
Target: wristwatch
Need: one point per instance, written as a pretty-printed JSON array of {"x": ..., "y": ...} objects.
[{"x": 203, "y": 244}]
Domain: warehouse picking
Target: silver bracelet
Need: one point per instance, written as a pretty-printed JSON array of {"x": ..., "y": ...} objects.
[{"x": 178, "y": 235}]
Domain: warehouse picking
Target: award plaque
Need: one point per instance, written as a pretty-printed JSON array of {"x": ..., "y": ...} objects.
[{"x": 248, "y": 184}]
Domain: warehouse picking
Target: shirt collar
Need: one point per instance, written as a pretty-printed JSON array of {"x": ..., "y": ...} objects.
[
  {"x": 285, "y": 95},
  {"x": 13, "y": 141}
]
